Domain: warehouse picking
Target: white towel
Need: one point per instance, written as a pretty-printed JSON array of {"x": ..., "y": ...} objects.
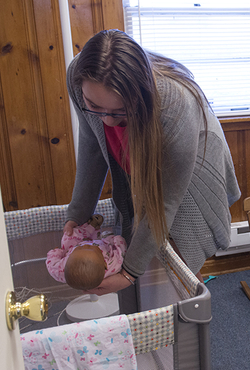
[{"x": 90, "y": 345}]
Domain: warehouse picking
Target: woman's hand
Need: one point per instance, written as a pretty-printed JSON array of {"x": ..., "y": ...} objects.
[
  {"x": 69, "y": 226},
  {"x": 112, "y": 284}
]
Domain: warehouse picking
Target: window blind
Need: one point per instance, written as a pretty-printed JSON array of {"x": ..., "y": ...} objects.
[{"x": 213, "y": 43}]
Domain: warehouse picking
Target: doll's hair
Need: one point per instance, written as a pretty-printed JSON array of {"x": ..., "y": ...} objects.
[
  {"x": 115, "y": 60},
  {"x": 83, "y": 273}
]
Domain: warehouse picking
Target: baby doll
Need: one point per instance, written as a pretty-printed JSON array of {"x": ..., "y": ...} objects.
[{"x": 87, "y": 256}]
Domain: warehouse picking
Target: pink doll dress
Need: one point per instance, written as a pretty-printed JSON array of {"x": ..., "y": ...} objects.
[{"x": 113, "y": 249}]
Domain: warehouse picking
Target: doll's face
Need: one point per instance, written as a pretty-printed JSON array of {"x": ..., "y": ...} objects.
[{"x": 102, "y": 100}]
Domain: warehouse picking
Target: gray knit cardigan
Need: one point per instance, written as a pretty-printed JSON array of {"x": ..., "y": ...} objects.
[{"x": 198, "y": 189}]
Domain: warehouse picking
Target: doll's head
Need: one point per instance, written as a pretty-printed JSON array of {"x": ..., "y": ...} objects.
[
  {"x": 85, "y": 267},
  {"x": 96, "y": 221}
]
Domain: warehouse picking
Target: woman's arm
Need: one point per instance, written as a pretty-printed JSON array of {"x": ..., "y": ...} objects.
[
  {"x": 113, "y": 283},
  {"x": 91, "y": 165}
]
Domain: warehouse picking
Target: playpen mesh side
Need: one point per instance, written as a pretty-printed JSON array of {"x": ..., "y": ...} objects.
[
  {"x": 154, "y": 329},
  {"x": 20, "y": 224},
  {"x": 32, "y": 221}
]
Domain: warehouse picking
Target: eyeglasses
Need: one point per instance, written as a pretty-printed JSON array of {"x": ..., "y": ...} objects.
[{"x": 102, "y": 114}]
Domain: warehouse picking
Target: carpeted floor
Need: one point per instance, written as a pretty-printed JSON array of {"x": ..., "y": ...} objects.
[{"x": 230, "y": 326}]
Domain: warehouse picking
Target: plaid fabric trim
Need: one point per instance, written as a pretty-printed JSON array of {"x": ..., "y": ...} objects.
[
  {"x": 32, "y": 221},
  {"x": 23, "y": 223},
  {"x": 174, "y": 265},
  {"x": 152, "y": 329}
]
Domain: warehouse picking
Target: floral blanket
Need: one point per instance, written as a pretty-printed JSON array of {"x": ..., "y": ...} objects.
[{"x": 90, "y": 345}]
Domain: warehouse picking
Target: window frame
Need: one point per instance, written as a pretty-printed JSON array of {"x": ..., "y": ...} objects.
[{"x": 223, "y": 117}]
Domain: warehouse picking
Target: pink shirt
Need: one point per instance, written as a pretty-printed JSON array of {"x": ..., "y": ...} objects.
[{"x": 117, "y": 145}]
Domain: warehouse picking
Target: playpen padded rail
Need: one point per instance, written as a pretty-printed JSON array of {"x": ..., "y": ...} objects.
[{"x": 32, "y": 221}]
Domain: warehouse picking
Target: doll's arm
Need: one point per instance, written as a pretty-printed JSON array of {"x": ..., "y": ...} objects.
[{"x": 55, "y": 264}]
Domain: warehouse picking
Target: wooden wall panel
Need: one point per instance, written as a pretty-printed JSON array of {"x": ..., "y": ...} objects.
[
  {"x": 235, "y": 141},
  {"x": 56, "y": 100},
  {"x": 237, "y": 133},
  {"x": 34, "y": 107},
  {"x": 81, "y": 19},
  {"x": 7, "y": 180},
  {"x": 89, "y": 17},
  {"x": 21, "y": 124},
  {"x": 247, "y": 155},
  {"x": 37, "y": 164},
  {"x": 113, "y": 14}
]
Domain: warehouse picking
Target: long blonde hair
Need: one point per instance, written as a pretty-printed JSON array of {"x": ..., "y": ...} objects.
[{"x": 119, "y": 63}]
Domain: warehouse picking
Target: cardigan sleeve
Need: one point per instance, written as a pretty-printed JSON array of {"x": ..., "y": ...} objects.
[
  {"x": 91, "y": 165},
  {"x": 182, "y": 120}
]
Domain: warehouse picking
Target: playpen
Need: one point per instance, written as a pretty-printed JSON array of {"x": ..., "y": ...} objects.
[{"x": 170, "y": 331}]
